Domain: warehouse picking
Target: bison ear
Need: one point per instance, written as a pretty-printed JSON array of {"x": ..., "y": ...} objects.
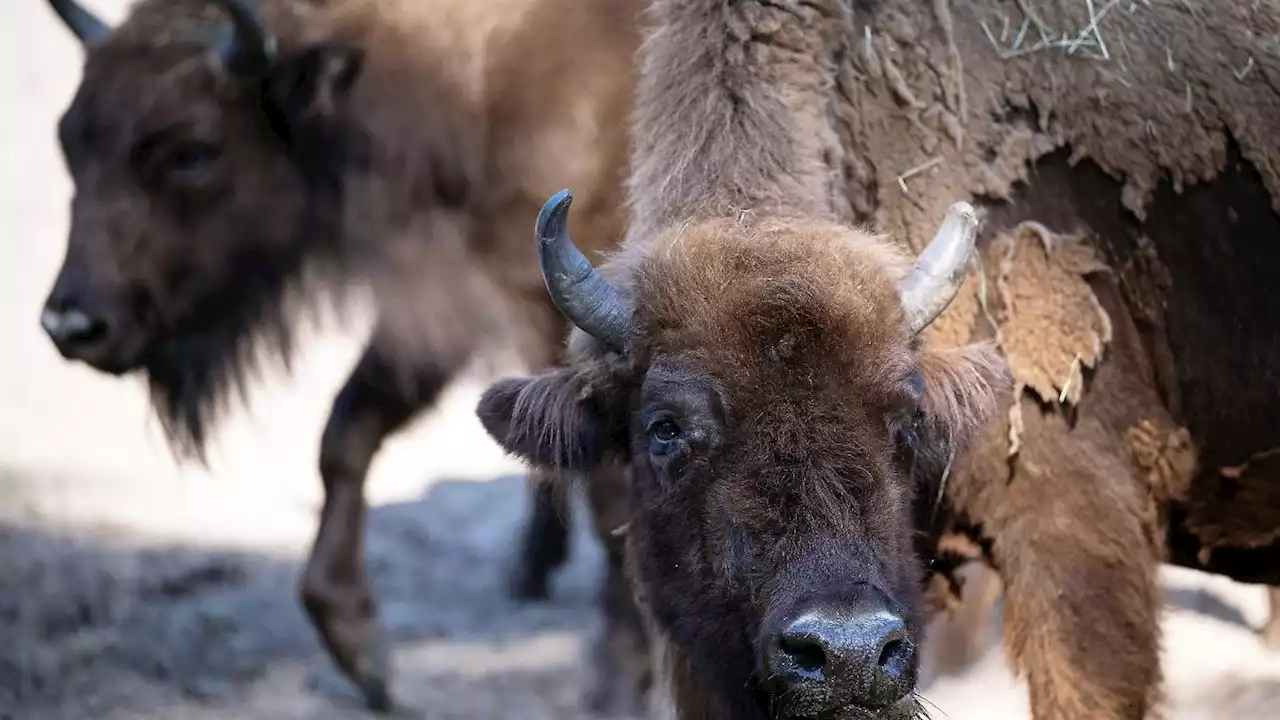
[
  {"x": 558, "y": 419},
  {"x": 963, "y": 388},
  {"x": 315, "y": 81}
]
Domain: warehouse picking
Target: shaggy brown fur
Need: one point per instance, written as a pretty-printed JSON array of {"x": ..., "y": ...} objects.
[
  {"x": 1161, "y": 444},
  {"x": 397, "y": 144},
  {"x": 1161, "y": 161},
  {"x": 1193, "y": 371},
  {"x": 771, "y": 403}
]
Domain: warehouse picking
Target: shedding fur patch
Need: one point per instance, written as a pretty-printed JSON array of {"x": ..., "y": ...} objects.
[
  {"x": 1168, "y": 459},
  {"x": 1051, "y": 324}
]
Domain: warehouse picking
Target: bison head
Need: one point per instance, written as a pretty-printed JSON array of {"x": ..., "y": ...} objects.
[
  {"x": 765, "y": 383},
  {"x": 206, "y": 165}
]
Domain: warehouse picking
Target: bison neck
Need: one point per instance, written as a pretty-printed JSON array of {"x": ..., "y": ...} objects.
[
  {"x": 417, "y": 109},
  {"x": 411, "y": 174},
  {"x": 734, "y": 112}
]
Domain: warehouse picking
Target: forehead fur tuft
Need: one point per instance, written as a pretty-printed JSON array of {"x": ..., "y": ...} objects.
[{"x": 790, "y": 291}]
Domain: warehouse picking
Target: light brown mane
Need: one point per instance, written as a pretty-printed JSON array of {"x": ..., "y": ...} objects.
[{"x": 734, "y": 113}]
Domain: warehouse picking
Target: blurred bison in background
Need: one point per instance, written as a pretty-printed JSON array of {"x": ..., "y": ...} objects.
[{"x": 230, "y": 156}]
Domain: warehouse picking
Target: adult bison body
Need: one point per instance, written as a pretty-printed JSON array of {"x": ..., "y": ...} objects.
[
  {"x": 226, "y": 154},
  {"x": 754, "y": 362},
  {"x": 1128, "y": 181},
  {"x": 1123, "y": 160}
]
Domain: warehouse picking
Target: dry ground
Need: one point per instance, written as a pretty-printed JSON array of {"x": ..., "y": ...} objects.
[{"x": 134, "y": 587}]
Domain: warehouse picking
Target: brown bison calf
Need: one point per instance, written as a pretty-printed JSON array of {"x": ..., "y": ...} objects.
[{"x": 224, "y": 152}]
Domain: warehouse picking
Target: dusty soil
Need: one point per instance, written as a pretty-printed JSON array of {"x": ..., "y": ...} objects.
[{"x": 134, "y": 587}]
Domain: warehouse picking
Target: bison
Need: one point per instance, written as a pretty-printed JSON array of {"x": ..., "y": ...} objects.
[
  {"x": 755, "y": 363},
  {"x": 228, "y": 157},
  {"x": 789, "y": 436}
]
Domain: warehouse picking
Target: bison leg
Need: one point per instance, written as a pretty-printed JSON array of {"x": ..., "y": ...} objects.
[
  {"x": 1271, "y": 630},
  {"x": 1080, "y": 625},
  {"x": 545, "y": 544},
  {"x": 1077, "y": 560},
  {"x": 1073, "y": 539},
  {"x": 620, "y": 673},
  {"x": 378, "y": 399},
  {"x": 620, "y": 665},
  {"x": 959, "y": 639}
]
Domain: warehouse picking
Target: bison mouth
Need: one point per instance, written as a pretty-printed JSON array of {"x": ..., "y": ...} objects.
[
  {"x": 82, "y": 337},
  {"x": 191, "y": 367},
  {"x": 909, "y": 708},
  {"x": 105, "y": 358},
  {"x": 845, "y": 656}
]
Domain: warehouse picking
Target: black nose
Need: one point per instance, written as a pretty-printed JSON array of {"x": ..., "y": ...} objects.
[
  {"x": 72, "y": 329},
  {"x": 837, "y": 654}
]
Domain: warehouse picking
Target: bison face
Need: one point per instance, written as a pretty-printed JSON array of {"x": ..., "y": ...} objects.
[
  {"x": 770, "y": 526},
  {"x": 766, "y": 387},
  {"x": 181, "y": 197},
  {"x": 207, "y": 170}
]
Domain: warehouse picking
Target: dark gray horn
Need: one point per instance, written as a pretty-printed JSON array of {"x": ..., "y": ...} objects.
[
  {"x": 579, "y": 290},
  {"x": 939, "y": 272},
  {"x": 83, "y": 23},
  {"x": 249, "y": 48}
]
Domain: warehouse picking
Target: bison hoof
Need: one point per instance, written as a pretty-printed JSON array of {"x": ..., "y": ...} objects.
[
  {"x": 372, "y": 675},
  {"x": 376, "y": 697},
  {"x": 1271, "y": 637}
]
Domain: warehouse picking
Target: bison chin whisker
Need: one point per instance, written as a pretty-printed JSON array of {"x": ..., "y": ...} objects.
[
  {"x": 921, "y": 712},
  {"x": 195, "y": 377}
]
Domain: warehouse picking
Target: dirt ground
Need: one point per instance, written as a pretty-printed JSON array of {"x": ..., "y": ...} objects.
[{"x": 134, "y": 587}]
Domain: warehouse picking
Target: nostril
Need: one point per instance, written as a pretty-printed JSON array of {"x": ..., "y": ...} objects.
[
  {"x": 805, "y": 652},
  {"x": 86, "y": 329},
  {"x": 837, "y": 655},
  {"x": 73, "y": 326},
  {"x": 893, "y": 656},
  {"x": 51, "y": 321}
]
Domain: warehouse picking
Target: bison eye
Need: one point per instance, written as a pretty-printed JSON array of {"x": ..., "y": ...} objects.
[
  {"x": 907, "y": 434},
  {"x": 190, "y": 162},
  {"x": 664, "y": 436},
  {"x": 171, "y": 157}
]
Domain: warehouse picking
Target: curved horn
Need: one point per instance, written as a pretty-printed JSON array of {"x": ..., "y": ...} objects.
[
  {"x": 939, "y": 271},
  {"x": 249, "y": 48},
  {"x": 579, "y": 290},
  {"x": 86, "y": 26}
]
